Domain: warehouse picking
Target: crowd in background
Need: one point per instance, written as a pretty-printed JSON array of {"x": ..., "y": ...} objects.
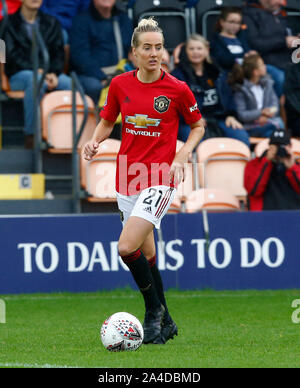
[{"x": 246, "y": 78}]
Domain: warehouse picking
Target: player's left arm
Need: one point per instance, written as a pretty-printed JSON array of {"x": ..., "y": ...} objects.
[{"x": 177, "y": 171}]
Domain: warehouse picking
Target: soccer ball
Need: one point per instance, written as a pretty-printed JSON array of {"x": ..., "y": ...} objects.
[{"x": 122, "y": 332}]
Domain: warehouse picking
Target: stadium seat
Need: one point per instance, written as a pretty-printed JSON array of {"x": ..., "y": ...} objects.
[
  {"x": 97, "y": 177},
  {"x": 211, "y": 199},
  {"x": 262, "y": 146},
  {"x": 100, "y": 184},
  {"x": 255, "y": 140},
  {"x": 108, "y": 151},
  {"x": 205, "y": 14},
  {"x": 172, "y": 16},
  {"x": 221, "y": 163},
  {"x": 56, "y": 117},
  {"x": 293, "y": 15}
]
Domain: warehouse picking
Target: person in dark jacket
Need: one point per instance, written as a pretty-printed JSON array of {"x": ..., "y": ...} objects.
[
  {"x": 19, "y": 66},
  {"x": 269, "y": 34},
  {"x": 93, "y": 44},
  {"x": 229, "y": 43},
  {"x": 272, "y": 181},
  {"x": 292, "y": 98},
  {"x": 64, "y": 11},
  {"x": 210, "y": 88}
]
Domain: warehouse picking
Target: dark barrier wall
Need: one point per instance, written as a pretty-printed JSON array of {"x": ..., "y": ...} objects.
[{"x": 79, "y": 253}]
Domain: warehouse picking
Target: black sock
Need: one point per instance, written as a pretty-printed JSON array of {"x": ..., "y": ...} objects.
[
  {"x": 138, "y": 266},
  {"x": 159, "y": 285}
]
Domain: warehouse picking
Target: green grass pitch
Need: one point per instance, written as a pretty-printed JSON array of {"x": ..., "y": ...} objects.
[{"x": 221, "y": 329}]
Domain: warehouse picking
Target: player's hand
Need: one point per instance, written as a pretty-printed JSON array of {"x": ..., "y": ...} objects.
[
  {"x": 177, "y": 173},
  {"x": 90, "y": 150},
  {"x": 178, "y": 168}
]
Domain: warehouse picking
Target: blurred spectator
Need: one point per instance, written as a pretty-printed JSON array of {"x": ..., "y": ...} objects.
[
  {"x": 256, "y": 101},
  {"x": 292, "y": 98},
  {"x": 212, "y": 93},
  {"x": 176, "y": 53},
  {"x": 94, "y": 46},
  {"x": 64, "y": 11},
  {"x": 19, "y": 67},
  {"x": 129, "y": 63},
  {"x": 273, "y": 180},
  {"x": 12, "y": 7},
  {"x": 166, "y": 61},
  {"x": 268, "y": 34},
  {"x": 229, "y": 44}
]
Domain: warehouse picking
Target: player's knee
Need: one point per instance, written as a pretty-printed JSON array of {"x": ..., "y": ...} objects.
[{"x": 125, "y": 249}]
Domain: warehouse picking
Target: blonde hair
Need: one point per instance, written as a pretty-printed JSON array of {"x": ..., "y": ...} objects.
[
  {"x": 201, "y": 39},
  {"x": 145, "y": 25}
]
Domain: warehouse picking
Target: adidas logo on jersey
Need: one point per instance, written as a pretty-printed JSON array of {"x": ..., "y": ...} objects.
[
  {"x": 127, "y": 99},
  {"x": 148, "y": 209}
]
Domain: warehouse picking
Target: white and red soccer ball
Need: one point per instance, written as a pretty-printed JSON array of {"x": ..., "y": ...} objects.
[{"x": 122, "y": 332}]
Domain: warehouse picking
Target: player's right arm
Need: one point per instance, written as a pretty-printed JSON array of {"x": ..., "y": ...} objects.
[{"x": 102, "y": 132}]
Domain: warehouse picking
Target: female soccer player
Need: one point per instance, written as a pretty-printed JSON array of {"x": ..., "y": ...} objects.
[{"x": 148, "y": 171}]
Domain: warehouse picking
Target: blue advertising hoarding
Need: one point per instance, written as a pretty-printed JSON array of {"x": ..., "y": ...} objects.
[{"x": 247, "y": 250}]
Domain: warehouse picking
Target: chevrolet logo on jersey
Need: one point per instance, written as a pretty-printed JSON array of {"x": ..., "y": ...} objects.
[{"x": 142, "y": 121}]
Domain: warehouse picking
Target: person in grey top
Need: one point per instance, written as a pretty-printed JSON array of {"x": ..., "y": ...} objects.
[{"x": 256, "y": 102}]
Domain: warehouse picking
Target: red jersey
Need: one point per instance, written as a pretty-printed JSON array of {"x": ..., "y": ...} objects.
[{"x": 150, "y": 119}]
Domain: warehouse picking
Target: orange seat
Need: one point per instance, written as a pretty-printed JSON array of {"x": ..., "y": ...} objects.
[
  {"x": 56, "y": 115},
  {"x": 262, "y": 146},
  {"x": 211, "y": 199},
  {"x": 97, "y": 176},
  {"x": 107, "y": 151},
  {"x": 221, "y": 164},
  {"x": 100, "y": 183},
  {"x": 256, "y": 140}
]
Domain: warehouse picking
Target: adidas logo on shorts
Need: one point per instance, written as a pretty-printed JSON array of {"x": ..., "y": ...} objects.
[{"x": 148, "y": 209}]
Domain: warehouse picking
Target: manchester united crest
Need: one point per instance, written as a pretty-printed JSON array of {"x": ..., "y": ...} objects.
[{"x": 161, "y": 104}]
